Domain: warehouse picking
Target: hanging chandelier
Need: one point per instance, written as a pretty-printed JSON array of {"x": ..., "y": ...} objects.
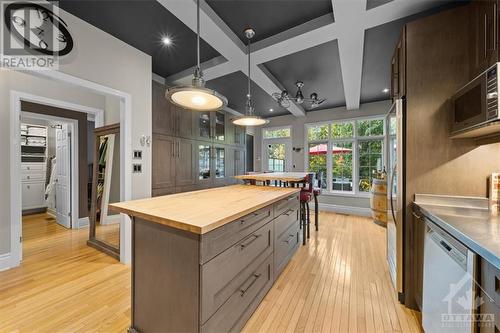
[
  {"x": 284, "y": 99},
  {"x": 250, "y": 118},
  {"x": 196, "y": 97}
]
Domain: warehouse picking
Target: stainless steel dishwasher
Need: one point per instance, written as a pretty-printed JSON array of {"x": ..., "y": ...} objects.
[{"x": 448, "y": 284}]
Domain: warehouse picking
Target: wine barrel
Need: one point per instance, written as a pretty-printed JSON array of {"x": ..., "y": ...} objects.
[{"x": 378, "y": 201}]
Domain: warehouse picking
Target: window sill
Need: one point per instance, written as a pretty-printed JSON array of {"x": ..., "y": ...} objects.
[{"x": 348, "y": 194}]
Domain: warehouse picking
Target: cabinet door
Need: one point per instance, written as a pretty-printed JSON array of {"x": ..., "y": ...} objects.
[
  {"x": 483, "y": 46},
  {"x": 230, "y": 165},
  {"x": 204, "y": 162},
  {"x": 185, "y": 162},
  {"x": 185, "y": 123},
  {"x": 239, "y": 135},
  {"x": 219, "y": 127},
  {"x": 203, "y": 126},
  {"x": 239, "y": 162},
  {"x": 220, "y": 164},
  {"x": 163, "y": 161},
  {"x": 398, "y": 67},
  {"x": 162, "y": 111}
]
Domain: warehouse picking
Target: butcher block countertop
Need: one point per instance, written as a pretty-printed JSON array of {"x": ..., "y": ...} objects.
[{"x": 202, "y": 211}]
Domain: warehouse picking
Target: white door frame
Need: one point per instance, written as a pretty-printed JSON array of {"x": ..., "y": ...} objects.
[
  {"x": 76, "y": 222},
  {"x": 15, "y": 156},
  {"x": 288, "y": 153}
]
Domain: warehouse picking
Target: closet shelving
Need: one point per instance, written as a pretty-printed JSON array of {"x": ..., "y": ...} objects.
[{"x": 34, "y": 140}]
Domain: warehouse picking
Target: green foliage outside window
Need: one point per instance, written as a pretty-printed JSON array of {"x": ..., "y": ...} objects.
[
  {"x": 277, "y": 133},
  {"x": 342, "y": 130}
]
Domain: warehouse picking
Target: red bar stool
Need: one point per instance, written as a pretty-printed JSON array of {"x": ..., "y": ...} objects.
[{"x": 306, "y": 195}]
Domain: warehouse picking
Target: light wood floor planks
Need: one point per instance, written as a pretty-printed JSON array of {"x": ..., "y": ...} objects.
[{"x": 339, "y": 282}]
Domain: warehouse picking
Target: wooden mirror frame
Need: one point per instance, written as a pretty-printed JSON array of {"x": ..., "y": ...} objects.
[{"x": 93, "y": 241}]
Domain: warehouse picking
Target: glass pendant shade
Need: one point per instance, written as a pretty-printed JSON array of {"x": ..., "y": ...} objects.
[
  {"x": 196, "y": 97},
  {"x": 250, "y": 121}
]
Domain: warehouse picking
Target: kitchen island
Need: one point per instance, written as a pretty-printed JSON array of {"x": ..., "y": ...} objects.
[{"x": 202, "y": 261}]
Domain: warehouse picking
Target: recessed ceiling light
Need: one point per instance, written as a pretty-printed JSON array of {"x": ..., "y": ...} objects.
[
  {"x": 166, "y": 40},
  {"x": 385, "y": 90},
  {"x": 271, "y": 110}
]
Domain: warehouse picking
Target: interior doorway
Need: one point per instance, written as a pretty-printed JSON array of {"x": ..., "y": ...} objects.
[{"x": 47, "y": 167}]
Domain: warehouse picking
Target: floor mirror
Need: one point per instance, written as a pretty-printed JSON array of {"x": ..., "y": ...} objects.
[{"x": 104, "y": 232}]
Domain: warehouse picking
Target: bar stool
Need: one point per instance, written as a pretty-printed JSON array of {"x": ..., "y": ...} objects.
[
  {"x": 306, "y": 194},
  {"x": 316, "y": 193}
]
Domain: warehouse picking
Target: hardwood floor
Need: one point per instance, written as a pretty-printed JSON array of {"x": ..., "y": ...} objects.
[{"x": 339, "y": 282}]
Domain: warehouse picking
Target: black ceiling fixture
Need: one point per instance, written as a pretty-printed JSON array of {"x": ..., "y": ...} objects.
[{"x": 284, "y": 99}]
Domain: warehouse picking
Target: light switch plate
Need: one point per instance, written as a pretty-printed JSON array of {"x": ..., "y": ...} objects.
[
  {"x": 137, "y": 168},
  {"x": 137, "y": 155}
]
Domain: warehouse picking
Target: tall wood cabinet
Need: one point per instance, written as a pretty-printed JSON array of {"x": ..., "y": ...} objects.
[{"x": 193, "y": 150}]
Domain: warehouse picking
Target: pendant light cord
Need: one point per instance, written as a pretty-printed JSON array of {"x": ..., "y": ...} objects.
[
  {"x": 249, "y": 96},
  {"x": 198, "y": 33}
]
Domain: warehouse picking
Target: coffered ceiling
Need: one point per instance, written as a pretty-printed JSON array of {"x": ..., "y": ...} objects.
[{"x": 341, "y": 49}]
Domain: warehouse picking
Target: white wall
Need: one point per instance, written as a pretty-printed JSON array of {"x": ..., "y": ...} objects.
[
  {"x": 97, "y": 57},
  {"x": 298, "y": 135}
]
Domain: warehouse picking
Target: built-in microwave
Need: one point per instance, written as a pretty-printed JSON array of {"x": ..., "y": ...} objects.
[{"x": 476, "y": 104}]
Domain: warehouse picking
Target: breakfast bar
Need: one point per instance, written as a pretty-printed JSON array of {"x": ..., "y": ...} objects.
[{"x": 202, "y": 261}]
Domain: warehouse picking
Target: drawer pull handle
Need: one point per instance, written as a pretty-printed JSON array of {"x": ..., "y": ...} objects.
[
  {"x": 289, "y": 212},
  {"x": 290, "y": 237},
  {"x": 497, "y": 284},
  {"x": 252, "y": 238},
  {"x": 254, "y": 277}
]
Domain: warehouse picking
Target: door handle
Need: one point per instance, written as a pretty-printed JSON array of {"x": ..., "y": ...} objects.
[{"x": 254, "y": 277}]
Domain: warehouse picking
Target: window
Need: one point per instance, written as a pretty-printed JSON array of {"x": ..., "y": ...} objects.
[
  {"x": 276, "y": 157},
  {"x": 276, "y": 133},
  {"x": 345, "y": 154}
]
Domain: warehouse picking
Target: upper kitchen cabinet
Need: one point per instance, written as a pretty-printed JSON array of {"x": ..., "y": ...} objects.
[
  {"x": 483, "y": 36},
  {"x": 169, "y": 119},
  {"x": 398, "y": 68},
  {"x": 163, "y": 111}
]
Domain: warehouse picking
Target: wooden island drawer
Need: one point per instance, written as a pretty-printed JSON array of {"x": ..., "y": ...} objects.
[
  {"x": 284, "y": 205},
  {"x": 285, "y": 246},
  {"x": 218, "y": 240},
  {"x": 284, "y": 221},
  {"x": 244, "y": 295},
  {"x": 219, "y": 274}
]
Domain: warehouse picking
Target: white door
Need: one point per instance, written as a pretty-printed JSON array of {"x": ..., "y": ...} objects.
[
  {"x": 63, "y": 176},
  {"x": 277, "y": 155}
]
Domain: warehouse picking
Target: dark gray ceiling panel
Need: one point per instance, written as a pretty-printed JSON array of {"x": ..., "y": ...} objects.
[
  {"x": 268, "y": 17},
  {"x": 234, "y": 87},
  {"x": 375, "y": 3},
  {"x": 318, "y": 67},
  {"x": 142, "y": 23}
]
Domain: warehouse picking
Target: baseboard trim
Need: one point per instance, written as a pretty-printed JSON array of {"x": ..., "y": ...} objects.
[
  {"x": 6, "y": 262},
  {"x": 83, "y": 222},
  {"x": 349, "y": 210}
]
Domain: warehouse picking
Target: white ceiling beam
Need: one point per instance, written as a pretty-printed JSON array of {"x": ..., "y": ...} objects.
[
  {"x": 351, "y": 39},
  {"x": 212, "y": 69}
]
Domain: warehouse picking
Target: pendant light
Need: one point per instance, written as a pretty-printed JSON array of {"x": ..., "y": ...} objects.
[
  {"x": 196, "y": 97},
  {"x": 249, "y": 119}
]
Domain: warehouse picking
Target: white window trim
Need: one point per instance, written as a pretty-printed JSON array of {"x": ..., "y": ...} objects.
[
  {"x": 274, "y": 128},
  {"x": 355, "y": 160}
]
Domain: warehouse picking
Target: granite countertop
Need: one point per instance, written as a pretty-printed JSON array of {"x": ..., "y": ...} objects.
[
  {"x": 202, "y": 211},
  {"x": 469, "y": 222}
]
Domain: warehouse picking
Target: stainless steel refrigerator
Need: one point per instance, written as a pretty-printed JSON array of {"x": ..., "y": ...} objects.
[{"x": 396, "y": 120}]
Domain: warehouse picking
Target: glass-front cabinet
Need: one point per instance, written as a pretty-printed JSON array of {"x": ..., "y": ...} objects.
[
  {"x": 220, "y": 162},
  {"x": 212, "y": 163},
  {"x": 211, "y": 126},
  {"x": 204, "y": 162}
]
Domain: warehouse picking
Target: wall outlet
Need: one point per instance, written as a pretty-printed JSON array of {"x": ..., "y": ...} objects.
[
  {"x": 137, "y": 155},
  {"x": 137, "y": 168}
]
